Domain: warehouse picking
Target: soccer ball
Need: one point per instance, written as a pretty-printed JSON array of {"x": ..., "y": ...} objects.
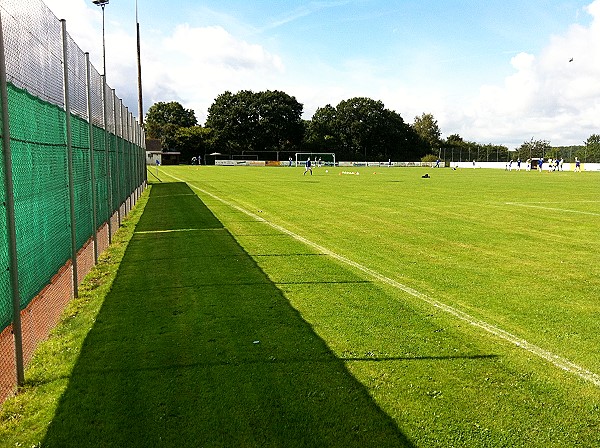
[{"x": 326, "y": 171}]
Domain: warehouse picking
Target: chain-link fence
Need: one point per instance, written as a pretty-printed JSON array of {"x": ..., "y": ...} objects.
[{"x": 72, "y": 165}]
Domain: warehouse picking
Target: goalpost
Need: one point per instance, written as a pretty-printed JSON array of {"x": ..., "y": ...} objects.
[{"x": 317, "y": 158}]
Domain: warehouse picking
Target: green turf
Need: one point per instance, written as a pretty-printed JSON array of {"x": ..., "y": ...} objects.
[
  {"x": 529, "y": 269},
  {"x": 195, "y": 346},
  {"x": 222, "y": 329}
]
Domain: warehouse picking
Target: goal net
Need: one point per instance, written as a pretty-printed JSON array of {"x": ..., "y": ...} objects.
[{"x": 317, "y": 158}]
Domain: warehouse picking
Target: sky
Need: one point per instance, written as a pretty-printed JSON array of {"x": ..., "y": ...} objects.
[{"x": 491, "y": 71}]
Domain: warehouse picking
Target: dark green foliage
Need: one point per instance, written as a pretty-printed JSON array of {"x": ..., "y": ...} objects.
[
  {"x": 455, "y": 148},
  {"x": 534, "y": 149},
  {"x": 588, "y": 152},
  {"x": 163, "y": 120},
  {"x": 262, "y": 121},
  {"x": 427, "y": 129},
  {"x": 192, "y": 141},
  {"x": 363, "y": 129}
]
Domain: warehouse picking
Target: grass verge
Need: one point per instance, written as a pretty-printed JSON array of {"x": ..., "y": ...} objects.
[
  {"x": 25, "y": 418},
  {"x": 194, "y": 346}
]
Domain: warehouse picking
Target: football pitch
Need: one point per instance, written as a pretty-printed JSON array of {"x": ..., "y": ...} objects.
[{"x": 466, "y": 304}]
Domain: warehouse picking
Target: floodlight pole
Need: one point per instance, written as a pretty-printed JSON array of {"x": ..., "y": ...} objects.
[
  {"x": 102, "y": 4},
  {"x": 139, "y": 68}
]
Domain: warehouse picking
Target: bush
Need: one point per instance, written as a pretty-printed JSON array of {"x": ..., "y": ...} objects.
[{"x": 429, "y": 158}]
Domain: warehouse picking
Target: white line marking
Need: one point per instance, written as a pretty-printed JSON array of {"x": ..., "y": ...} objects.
[
  {"x": 554, "y": 359},
  {"x": 520, "y": 204},
  {"x": 581, "y": 201},
  {"x": 172, "y": 195},
  {"x": 143, "y": 232}
]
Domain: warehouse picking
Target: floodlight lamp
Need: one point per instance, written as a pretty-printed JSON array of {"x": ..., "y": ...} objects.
[{"x": 102, "y": 3}]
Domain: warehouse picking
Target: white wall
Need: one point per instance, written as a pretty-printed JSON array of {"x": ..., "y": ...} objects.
[{"x": 502, "y": 166}]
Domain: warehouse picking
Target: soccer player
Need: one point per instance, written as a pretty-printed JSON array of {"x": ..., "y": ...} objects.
[
  {"x": 308, "y": 167},
  {"x": 577, "y": 165}
]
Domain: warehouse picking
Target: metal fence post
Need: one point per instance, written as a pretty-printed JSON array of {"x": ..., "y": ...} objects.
[
  {"x": 88, "y": 85},
  {"x": 127, "y": 155},
  {"x": 70, "y": 159},
  {"x": 10, "y": 218},
  {"x": 107, "y": 150},
  {"x": 118, "y": 174}
]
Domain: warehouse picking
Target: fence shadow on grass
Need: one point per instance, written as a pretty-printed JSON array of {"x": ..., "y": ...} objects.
[{"x": 195, "y": 346}]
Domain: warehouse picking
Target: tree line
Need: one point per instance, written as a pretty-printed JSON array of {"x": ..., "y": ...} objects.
[{"x": 269, "y": 125}]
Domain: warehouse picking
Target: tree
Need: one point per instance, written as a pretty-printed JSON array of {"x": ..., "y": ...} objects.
[
  {"x": 427, "y": 129},
  {"x": 359, "y": 120},
  {"x": 455, "y": 146},
  {"x": 362, "y": 128},
  {"x": 534, "y": 149},
  {"x": 263, "y": 121},
  {"x": 280, "y": 123},
  {"x": 164, "y": 119},
  {"x": 192, "y": 141},
  {"x": 321, "y": 132},
  {"x": 455, "y": 140},
  {"x": 591, "y": 151}
]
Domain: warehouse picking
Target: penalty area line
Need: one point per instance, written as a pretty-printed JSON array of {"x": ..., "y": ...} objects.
[{"x": 556, "y": 360}]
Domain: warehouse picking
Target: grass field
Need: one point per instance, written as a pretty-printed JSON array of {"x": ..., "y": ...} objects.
[
  {"x": 261, "y": 307},
  {"x": 515, "y": 250}
]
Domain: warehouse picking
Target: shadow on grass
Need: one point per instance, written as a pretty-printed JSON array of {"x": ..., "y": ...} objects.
[{"x": 195, "y": 346}]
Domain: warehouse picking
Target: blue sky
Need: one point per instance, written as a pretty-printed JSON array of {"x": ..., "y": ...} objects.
[{"x": 491, "y": 71}]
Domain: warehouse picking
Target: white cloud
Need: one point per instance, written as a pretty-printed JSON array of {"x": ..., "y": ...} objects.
[
  {"x": 84, "y": 25},
  {"x": 200, "y": 63},
  {"x": 547, "y": 96},
  {"x": 81, "y": 21},
  {"x": 188, "y": 64}
]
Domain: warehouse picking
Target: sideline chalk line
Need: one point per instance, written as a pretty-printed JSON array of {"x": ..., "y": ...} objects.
[{"x": 554, "y": 359}]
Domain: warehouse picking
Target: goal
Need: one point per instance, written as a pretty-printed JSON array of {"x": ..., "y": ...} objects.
[{"x": 317, "y": 158}]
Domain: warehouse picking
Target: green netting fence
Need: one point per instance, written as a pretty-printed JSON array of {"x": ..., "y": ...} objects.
[{"x": 68, "y": 193}]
